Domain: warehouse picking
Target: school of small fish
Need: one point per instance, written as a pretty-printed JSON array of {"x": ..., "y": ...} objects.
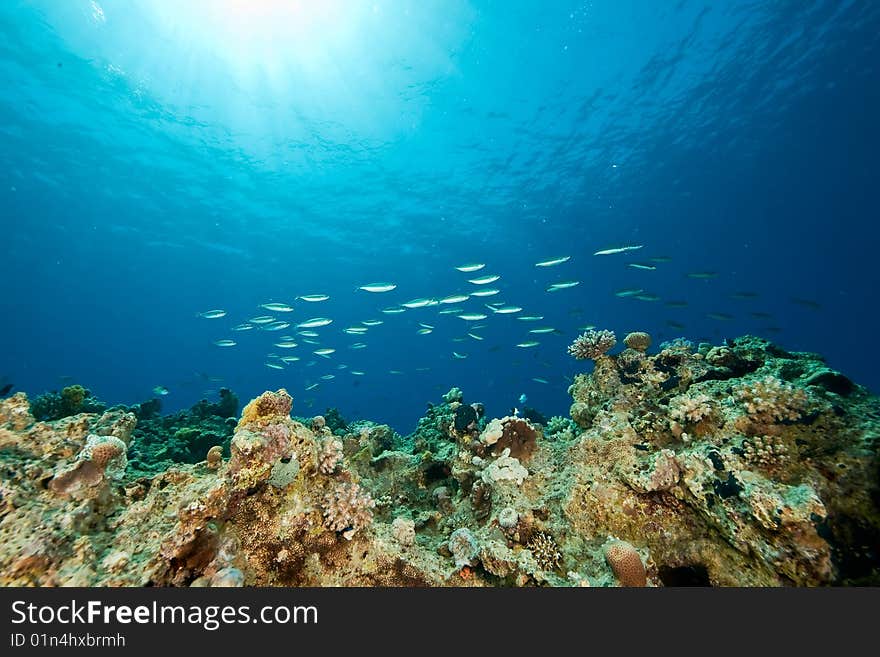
[{"x": 456, "y": 305}]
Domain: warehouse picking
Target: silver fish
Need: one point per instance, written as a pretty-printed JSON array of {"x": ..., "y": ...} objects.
[
  {"x": 378, "y": 287},
  {"x": 553, "y": 262},
  {"x": 417, "y": 303},
  {"x": 277, "y": 307},
  {"x": 564, "y": 285},
  {"x": 476, "y": 266},
  {"x": 484, "y": 280},
  {"x": 488, "y": 292},
  {"x": 621, "y": 249},
  {"x": 315, "y": 322},
  {"x": 213, "y": 314},
  {"x": 455, "y": 298}
]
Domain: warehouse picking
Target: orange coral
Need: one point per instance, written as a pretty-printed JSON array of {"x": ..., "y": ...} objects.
[
  {"x": 626, "y": 563},
  {"x": 103, "y": 453}
]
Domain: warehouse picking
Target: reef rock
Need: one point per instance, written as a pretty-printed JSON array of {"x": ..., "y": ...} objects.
[{"x": 730, "y": 465}]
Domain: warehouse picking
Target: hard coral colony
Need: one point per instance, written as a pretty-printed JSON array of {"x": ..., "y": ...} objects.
[{"x": 732, "y": 465}]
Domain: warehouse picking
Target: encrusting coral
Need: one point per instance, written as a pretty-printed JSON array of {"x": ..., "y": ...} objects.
[{"x": 729, "y": 465}]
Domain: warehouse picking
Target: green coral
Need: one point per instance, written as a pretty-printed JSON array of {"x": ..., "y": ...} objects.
[
  {"x": 560, "y": 428},
  {"x": 335, "y": 422},
  {"x": 182, "y": 437},
  {"x": 72, "y": 400}
]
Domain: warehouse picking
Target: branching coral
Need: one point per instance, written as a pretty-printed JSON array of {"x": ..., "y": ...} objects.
[
  {"x": 592, "y": 344},
  {"x": 347, "y": 509},
  {"x": 771, "y": 400},
  {"x": 765, "y": 451},
  {"x": 331, "y": 455},
  {"x": 545, "y": 551},
  {"x": 560, "y": 428},
  {"x": 690, "y": 408}
]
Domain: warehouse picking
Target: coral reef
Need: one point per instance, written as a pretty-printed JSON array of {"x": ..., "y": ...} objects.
[
  {"x": 738, "y": 464},
  {"x": 70, "y": 401},
  {"x": 183, "y": 437}
]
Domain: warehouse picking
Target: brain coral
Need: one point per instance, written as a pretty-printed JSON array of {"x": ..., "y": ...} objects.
[
  {"x": 626, "y": 563},
  {"x": 347, "y": 509}
]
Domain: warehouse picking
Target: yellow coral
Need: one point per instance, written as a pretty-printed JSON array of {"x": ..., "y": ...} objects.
[
  {"x": 215, "y": 457},
  {"x": 266, "y": 407}
]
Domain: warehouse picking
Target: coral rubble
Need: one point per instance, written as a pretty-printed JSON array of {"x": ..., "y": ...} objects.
[{"x": 732, "y": 465}]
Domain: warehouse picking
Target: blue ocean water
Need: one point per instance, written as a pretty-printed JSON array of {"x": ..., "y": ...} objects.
[{"x": 160, "y": 159}]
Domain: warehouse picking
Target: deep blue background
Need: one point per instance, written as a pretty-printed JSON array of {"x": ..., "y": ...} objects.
[{"x": 143, "y": 180}]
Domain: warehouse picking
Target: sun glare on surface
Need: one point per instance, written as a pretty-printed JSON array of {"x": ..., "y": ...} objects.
[{"x": 266, "y": 36}]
